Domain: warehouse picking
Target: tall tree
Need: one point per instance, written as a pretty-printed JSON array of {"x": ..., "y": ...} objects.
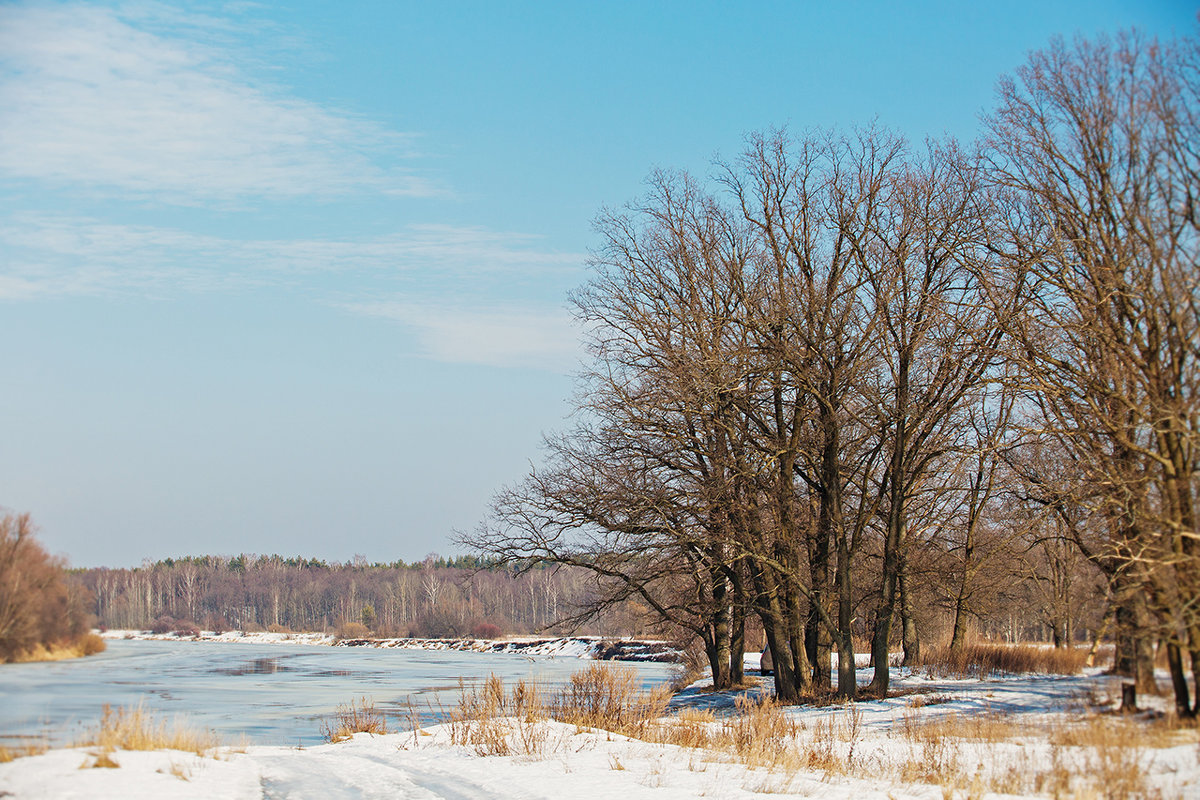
[{"x": 1095, "y": 144}]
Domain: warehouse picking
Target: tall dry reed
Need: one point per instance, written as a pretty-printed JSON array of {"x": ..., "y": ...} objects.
[
  {"x": 136, "y": 728},
  {"x": 983, "y": 659}
]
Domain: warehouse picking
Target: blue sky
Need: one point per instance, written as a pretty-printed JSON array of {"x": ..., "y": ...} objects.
[{"x": 290, "y": 277}]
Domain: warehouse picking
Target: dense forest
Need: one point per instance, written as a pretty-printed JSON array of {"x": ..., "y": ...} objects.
[{"x": 436, "y": 597}]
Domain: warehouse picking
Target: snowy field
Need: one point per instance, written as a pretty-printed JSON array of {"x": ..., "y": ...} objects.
[{"x": 1028, "y": 736}]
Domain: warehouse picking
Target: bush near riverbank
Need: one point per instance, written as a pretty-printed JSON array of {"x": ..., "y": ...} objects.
[{"x": 43, "y": 617}]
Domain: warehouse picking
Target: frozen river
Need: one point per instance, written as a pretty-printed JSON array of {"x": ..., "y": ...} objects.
[{"x": 268, "y": 694}]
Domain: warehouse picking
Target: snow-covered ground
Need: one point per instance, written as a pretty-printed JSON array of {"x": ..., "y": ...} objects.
[
  {"x": 1013, "y": 736},
  {"x": 560, "y": 646}
]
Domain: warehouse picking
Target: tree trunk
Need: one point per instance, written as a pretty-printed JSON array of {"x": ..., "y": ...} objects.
[
  {"x": 801, "y": 666},
  {"x": 908, "y": 619},
  {"x": 1135, "y": 653},
  {"x": 718, "y": 661},
  {"x": 958, "y": 639},
  {"x": 847, "y": 676},
  {"x": 771, "y": 614},
  {"x": 1183, "y": 701},
  {"x": 886, "y": 609},
  {"x": 737, "y": 643}
]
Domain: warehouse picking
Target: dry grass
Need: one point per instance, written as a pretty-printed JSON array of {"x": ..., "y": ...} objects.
[
  {"x": 495, "y": 721},
  {"x": 100, "y": 760},
  {"x": 359, "y": 716},
  {"x": 138, "y": 729},
  {"x": 991, "y": 728},
  {"x": 760, "y": 733},
  {"x": 30, "y": 747},
  {"x": 86, "y": 645},
  {"x": 500, "y": 723},
  {"x": 981, "y": 660},
  {"x": 965, "y": 755},
  {"x": 610, "y": 699},
  {"x": 695, "y": 729},
  {"x": 1097, "y": 756}
]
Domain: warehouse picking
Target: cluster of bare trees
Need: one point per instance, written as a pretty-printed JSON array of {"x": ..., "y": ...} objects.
[
  {"x": 38, "y": 606},
  {"x": 849, "y": 376},
  {"x": 434, "y": 597}
]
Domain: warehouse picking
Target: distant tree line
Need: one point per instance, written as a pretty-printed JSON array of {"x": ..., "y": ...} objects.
[
  {"x": 437, "y": 597},
  {"x": 855, "y": 387},
  {"x": 471, "y": 596}
]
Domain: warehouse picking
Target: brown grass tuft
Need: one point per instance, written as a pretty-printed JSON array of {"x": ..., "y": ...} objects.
[
  {"x": 499, "y": 723},
  {"x": 30, "y": 747},
  {"x": 100, "y": 760},
  {"x": 138, "y": 729},
  {"x": 991, "y": 728},
  {"x": 609, "y": 698},
  {"x": 359, "y": 716},
  {"x": 760, "y": 733},
  {"x": 693, "y": 728},
  {"x": 90, "y": 644}
]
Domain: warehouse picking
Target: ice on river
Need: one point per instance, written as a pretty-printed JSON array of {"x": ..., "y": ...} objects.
[{"x": 262, "y": 692}]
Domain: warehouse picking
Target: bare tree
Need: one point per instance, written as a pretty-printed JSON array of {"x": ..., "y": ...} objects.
[{"x": 1097, "y": 145}]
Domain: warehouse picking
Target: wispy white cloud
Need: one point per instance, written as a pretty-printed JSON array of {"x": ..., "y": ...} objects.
[
  {"x": 499, "y": 337},
  {"x": 449, "y": 286},
  {"x": 114, "y": 100},
  {"x": 51, "y": 254}
]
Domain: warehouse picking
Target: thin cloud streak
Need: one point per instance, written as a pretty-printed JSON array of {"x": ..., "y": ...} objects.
[
  {"x": 51, "y": 255},
  {"x": 532, "y": 338},
  {"x": 91, "y": 99},
  {"x": 420, "y": 266}
]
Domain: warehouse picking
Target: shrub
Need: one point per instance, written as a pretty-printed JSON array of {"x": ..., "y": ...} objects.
[
  {"x": 39, "y": 608},
  {"x": 91, "y": 644},
  {"x": 485, "y": 630},
  {"x": 439, "y": 624},
  {"x": 164, "y": 624},
  {"x": 352, "y": 630},
  {"x": 186, "y": 628}
]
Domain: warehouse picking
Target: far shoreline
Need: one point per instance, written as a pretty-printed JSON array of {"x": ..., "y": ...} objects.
[{"x": 598, "y": 648}]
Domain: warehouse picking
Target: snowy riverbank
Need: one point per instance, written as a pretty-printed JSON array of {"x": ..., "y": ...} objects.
[
  {"x": 1022, "y": 736},
  {"x": 589, "y": 647}
]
